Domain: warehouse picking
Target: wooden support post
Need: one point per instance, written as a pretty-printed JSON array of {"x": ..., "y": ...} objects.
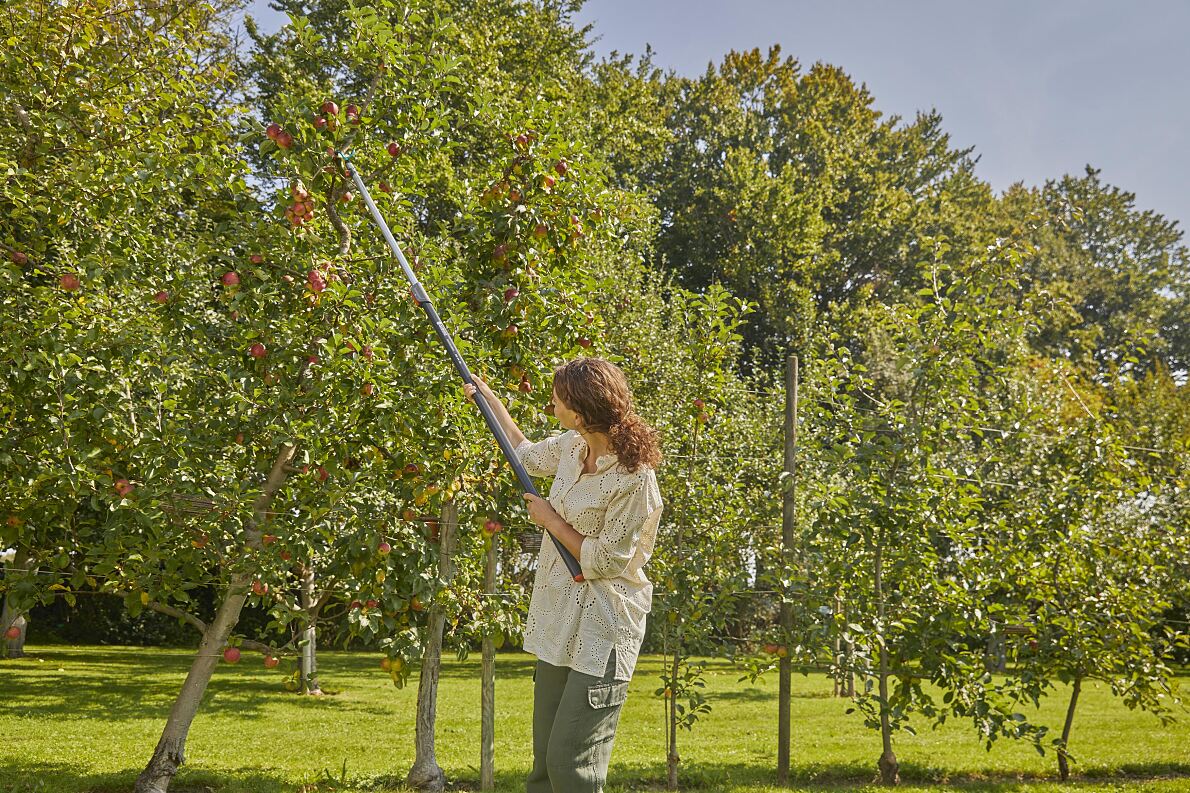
[
  {"x": 487, "y": 716},
  {"x": 788, "y": 524}
]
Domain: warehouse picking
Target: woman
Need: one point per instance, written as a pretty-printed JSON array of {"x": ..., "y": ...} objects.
[{"x": 604, "y": 507}]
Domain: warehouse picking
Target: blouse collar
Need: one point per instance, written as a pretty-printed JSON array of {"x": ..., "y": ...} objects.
[{"x": 601, "y": 462}]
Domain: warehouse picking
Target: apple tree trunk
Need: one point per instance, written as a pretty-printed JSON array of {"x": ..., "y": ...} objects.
[
  {"x": 309, "y": 658},
  {"x": 426, "y": 774},
  {"x": 10, "y": 617},
  {"x": 487, "y": 694},
  {"x": 888, "y": 761},
  {"x": 1063, "y": 758},
  {"x": 170, "y": 752}
]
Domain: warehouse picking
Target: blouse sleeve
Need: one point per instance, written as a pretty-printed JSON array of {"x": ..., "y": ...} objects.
[
  {"x": 630, "y": 523},
  {"x": 542, "y": 458}
]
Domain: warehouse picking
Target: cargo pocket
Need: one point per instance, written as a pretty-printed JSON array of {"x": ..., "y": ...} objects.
[{"x": 607, "y": 695}]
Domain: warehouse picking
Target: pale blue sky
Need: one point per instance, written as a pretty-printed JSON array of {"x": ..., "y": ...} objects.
[{"x": 1039, "y": 87}]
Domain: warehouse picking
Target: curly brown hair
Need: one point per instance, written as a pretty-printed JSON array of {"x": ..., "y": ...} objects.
[{"x": 598, "y": 391}]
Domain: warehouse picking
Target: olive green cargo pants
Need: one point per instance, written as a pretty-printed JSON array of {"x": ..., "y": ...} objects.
[{"x": 574, "y": 726}]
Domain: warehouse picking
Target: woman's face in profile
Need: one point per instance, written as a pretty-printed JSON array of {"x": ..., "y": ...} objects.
[{"x": 565, "y": 416}]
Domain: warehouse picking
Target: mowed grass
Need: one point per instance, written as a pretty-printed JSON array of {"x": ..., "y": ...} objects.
[{"x": 76, "y": 719}]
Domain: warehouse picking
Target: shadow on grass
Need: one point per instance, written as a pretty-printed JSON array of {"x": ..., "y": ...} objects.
[{"x": 61, "y": 778}]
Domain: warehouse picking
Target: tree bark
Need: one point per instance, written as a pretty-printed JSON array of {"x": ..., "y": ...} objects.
[
  {"x": 9, "y": 616},
  {"x": 487, "y": 695},
  {"x": 309, "y": 659},
  {"x": 426, "y": 774},
  {"x": 170, "y": 752},
  {"x": 1063, "y": 760},
  {"x": 888, "y": 761},
  {"x": 672, "y": 759}
]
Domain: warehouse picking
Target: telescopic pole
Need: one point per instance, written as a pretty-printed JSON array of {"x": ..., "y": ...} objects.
[{"x": 489, "y": 416}]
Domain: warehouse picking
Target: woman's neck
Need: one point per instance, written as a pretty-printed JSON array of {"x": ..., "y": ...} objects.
[{"x": 598, "y": 443}]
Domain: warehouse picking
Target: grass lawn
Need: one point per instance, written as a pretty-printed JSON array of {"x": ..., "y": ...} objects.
[{"x": 76, "y": 719}]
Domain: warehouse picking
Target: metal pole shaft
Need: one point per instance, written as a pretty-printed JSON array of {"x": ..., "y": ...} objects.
[{"x": 489, "y": 416}]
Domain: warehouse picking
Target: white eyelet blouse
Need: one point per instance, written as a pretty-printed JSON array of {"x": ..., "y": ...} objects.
[{"x": 576, "y": 624}]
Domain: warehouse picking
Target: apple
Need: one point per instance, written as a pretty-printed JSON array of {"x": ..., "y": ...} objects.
[
  {"x": 492, "y": 526},
  {"x": 230, "y": 278},
  {"x": 346, "y": 197},
  {"x": 271, "y": 661},
  {"x": 259, "y": 588},
  {"x": 511, "y": 331},
  {"x": 19, "y": 258},
  {"x": 69, "y": 282},
  {"x": 284, "y": 140},
  {"x": 500, "y": 253},
  {"x": 416, "y": 604},
  {"x": 514, "y": 196},
  {"x": 317, "y": 282},
  {"x": 256, "y": 258},
  {"x": 385, "y": 549},
  {"x": 510, "y": 294},
  {"x": 584, "y": 342},
  {"x": 124, "y": 487},
  {"x": 522, "y": 141},
  {"x": 366, "y": 352},
  {"x": 702, "y": 418},
  {"x": 257, "y": 351},
  {"x": 771, "y": 649},
  {"x": 323, "y": 474},
  {"x": 540, "y": 231},
  {"x": 526, "y": 387},
  {"x": 311, "y": 359},
  {"x": 385, "y": 187},
  {"x": 352, "y": 112},
  {"x": 412, "y": 469},
  {"x": 394, "y": 149},
  {"x": 548, "y": 182},
  {"x": 782, "y": 652},
  {"x": 355, "y": 604},
  {"x": 368, "y": 389},
  {"x": 273, "y": 130},
  {"x": 12, "y": 633},
  {"x": 232, "y": 655},
  {"x": 319, "y": 123},
  {"x": 371, "y": 604},
  {"x": 329, "y": 108},
  {"x": 561, "y": 167},
  {"x": 240, "y": 441},
  {"x": 698, "y": 403},
  {"x": 285, "y": 556},
  {"x": 161, "y": 297},
  {"x": 201, "y": 542},
  {"x": 268, "y": 539}
]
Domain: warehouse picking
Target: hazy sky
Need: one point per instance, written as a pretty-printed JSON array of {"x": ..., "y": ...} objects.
[{"x": 1040, "y": 88}]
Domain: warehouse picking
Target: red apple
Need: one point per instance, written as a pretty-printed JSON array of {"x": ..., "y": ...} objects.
[
  {"x": 240, "y": 441},
  {"x": 514, "y": 196},
  {"x": 394, "y": 149},
  {"x": 317, "y": 282},
  {"x": 416, "y": 604},
  {"x": 323, "y": 474},
  {"x": 273, "y": 130},
  {"x": 285, "y": 556},
  {"x": 329, "y": 108},
  {"x": 232, "y": 655},
  {"x": 12, "y": 633},
  {"x": 561, "y": 167},
  {"x": 271, "y": 661},
  {"x": 522, "y": 141},
  {"x": 161, "y": 297},
  {"x": 499, "y": 253},
  {"x": 385, "y": 187},
  {"x": 511, "y": 294},
  {"x": 284, "y": 140},
  {"x": 124, "y": 487},
  {"x": 346, "y": 197},
  {"x": 526, "y": 386},
  {"x": 230, "y": 278},
  {"x": 320, "y": 123},
  {"x": 259, "y": 588},
  {"x": 355, "y": 604},
  {"x": 510, "y": 331},
  {"x": 257, "y": 351},
  {"x": 698, "y": 403},
  {"x": 385, "y": 549},
  {"x": 352, "y": 110},
  {"x": 371, "y": 604},
  {"x": 412, "y": 469},
  {"x": 492, "y": 526},
  {"x": 268, "y": 539},
  {"x": 69, "y": 282},
  {"x": 368, "y": 389},
  {"x": 702, "y": 418},
  {"x": 19, "y": 258},
  {"x": 256, "y": 258},
  {"x": 584, "y": 342},
  {"x": 366, "y": 352},
  {"x": 540, "y": 231}
]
